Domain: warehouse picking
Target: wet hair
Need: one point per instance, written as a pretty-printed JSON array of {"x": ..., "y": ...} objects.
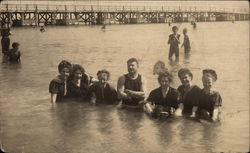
[
  {"x": 209, "y": 73},
  {"x": 184, "y": 71},
  {"x": 15, "y": 44},
  {"x": 131, "y": 60},
  {"x": 184, "y": 30},
  {"x": 174, "y": 28},
  {"x": 165, "y": 74},
  {"x": 77, "y": 67},
  {"x": 103, "y": 71},
  {"x": 64, "y": 64}
]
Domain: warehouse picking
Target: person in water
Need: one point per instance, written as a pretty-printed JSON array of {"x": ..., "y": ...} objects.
[
  {"x": 102, "y": 92},
  {"x": 169, "y": 22},
  {"x": 189, "y": 94},
  {"x": 58, "y": 86},
  {"x": 210, "y": 100},
  {"x": 14, "y": 54},
  {"x": 193, "y": 23},
  {"x": 78, "y": 83},
  {"x": 5, "y": 41},
  {"x": 131, "y": 87},
  {"x": 42, "y": 29},
  {"x": 163, "y": 99},
  {"x": 159, "y": 67},
  {"x": 174, "y": 41},
  {"x": 186, "y": 43},
  {"x": 103, "y": 27}
]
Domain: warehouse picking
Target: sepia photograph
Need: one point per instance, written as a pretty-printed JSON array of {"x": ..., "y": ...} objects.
[{"x": 124, "y": 76}]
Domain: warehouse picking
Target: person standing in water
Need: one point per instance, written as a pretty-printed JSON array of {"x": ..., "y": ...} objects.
[
  {"x": 103, "y": 27},
  {"x": 174, "y": 41},
  {"x": 14, "y": 54},
  {"x": 210, "y": 100},
  {"x": 58, "y": 86},
  {"x": 186, "y": 42},
  {"x": 189, "y": 94},
  {"x": 78, "y": 83},
  {"x": 42, "y": 29},
  {"x": 102, "y": 92},
  {"x": 131, "y": 87},
  {"x": 5, "y": 41},
  {"x": 193, "y": 23},
  {"x": 163, "y": 99}
]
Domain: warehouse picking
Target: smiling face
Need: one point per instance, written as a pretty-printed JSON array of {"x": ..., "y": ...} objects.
[
  {"x": 77, "y": 75},
  {"x": 186, "y": 80},
  {"x": 207, "y": 82},
  {"x": 164, "y": 82},
  {"x": 64, "y": 73},
  {"x": 103, "y": 78},
  {"x": 132, "y": 68}
]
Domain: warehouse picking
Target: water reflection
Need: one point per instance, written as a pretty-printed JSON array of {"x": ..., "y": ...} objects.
[
  {"x": 187, "y": 57},
  {"x": 69, "y": 117},
  {"x": 131, "y": 120},
  {"x": 165, "y": 131},
  {"x": 209, "y": 131},
  {"x": 105, "y": 120}
]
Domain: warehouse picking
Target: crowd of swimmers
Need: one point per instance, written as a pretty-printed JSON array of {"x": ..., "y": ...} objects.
[{"x": 188, "y": 99}]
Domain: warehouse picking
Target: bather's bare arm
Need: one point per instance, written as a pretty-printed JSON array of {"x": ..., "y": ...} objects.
[
  {"x": 120, "y": 88},
  {"x": 138, "y": 94},
  {"x": 53, "y": 98},
  {"x": 216, "y": 113}
]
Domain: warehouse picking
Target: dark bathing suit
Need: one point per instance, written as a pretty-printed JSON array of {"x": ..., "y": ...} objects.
[
  {"x": 75, "y": 91},
  {"x": 108, "y": 95},
  {"x": 190, "y": 98},
  {"x": 134, "y": 85},
  {"x": 174, "y": 45},
  {"x": 186, "y": 43},
  {"x": 171, "y": 99},
  {"x": 14, "y": 56},
  {"x": 208, "y": 102},
  {"x": 57, "y": 86}
]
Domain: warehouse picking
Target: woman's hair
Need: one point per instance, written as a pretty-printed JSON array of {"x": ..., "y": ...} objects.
[
  {"x": 209, "y": 73},
  {"x": 77, "y": 67},
  {"x": 184, "y": 71},
  {"x": 103, "y": 71},
  {"x": 185, "y": 30},
  {"x": 64, "y": 64},
  {"x": 165, "y": 74}
]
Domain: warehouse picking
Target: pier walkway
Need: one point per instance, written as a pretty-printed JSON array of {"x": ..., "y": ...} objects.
[{"x": 26, "y": 15}]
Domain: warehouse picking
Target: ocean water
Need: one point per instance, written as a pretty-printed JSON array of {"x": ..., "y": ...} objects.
[{"x": 29, "y": 123}]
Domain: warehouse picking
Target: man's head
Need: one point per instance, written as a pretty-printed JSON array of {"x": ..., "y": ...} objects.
[{"x": 132, "y": 65}]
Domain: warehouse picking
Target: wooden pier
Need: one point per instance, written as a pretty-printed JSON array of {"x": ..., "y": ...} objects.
[{"x": 35, "y": 15}]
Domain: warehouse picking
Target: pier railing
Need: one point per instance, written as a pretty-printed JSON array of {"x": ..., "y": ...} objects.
[
  {"x": 113, "y": 8},
  {"x": 20, "y": 15}
]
